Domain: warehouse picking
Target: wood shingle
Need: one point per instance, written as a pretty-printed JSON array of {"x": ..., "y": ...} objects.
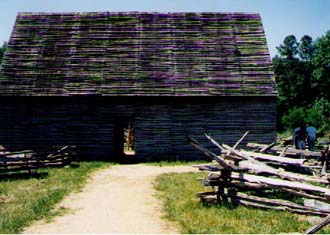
[{"x": 137, "y": 54}]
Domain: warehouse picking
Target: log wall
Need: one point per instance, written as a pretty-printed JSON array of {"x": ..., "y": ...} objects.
[{"x": 161, "y": 124}]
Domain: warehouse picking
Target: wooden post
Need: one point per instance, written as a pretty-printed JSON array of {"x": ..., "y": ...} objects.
[
  {"x": 263, "y": 150},
  {"x": 27, "y": 163},
  {"x": 220, "y": 193},
  {"x": 240, "y": 140},
  {"x": 283, "y": 153},
  {"x": 213, "y": 156}
]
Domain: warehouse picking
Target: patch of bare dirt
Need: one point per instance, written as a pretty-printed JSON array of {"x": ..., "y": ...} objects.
[{"x": 120, "y": 199}]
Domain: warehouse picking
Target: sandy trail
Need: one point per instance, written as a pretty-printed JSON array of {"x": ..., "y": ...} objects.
[{"x": 120, "y": 199}]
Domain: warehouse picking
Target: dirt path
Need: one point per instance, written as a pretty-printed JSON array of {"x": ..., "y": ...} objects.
[{"x": 116, "y": 200}]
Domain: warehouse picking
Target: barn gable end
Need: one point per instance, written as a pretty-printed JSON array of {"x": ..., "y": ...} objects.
[{"x": 67, "y": 77}]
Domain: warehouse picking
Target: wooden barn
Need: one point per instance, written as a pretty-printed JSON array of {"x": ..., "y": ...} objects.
[{"x": 133, "y": 85}]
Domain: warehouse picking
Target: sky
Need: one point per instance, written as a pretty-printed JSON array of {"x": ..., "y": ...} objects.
[{"x": 280, "y": 17}]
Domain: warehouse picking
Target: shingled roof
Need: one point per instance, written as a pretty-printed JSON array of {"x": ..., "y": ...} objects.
[{"x": 137, "y": 53}]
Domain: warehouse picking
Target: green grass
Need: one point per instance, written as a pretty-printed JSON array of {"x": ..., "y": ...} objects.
[
  {"x": 25, "y": 200},
  {"x": 284, "y": 134},
  {"x": 178, "y": 193}
]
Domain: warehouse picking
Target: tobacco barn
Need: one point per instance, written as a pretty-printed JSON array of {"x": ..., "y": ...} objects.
[{"x": 133, "y": 85}]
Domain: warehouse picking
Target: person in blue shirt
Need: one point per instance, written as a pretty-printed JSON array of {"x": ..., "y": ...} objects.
[
  {"x": 301, "y": 135},
  {"x": 311, "y": 136},
  {"x": 295, "y": 137}
]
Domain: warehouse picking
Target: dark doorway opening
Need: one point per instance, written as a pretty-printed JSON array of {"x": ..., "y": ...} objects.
[{"x": 124, "y": 140}]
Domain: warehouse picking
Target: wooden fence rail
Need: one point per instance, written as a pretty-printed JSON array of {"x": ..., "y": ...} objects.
[
  {"x": 29, "y": 161},
  {"x": 245, "y": 177}
]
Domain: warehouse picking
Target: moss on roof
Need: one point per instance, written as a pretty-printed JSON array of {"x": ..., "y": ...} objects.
[{"x": 137, "y": 53}]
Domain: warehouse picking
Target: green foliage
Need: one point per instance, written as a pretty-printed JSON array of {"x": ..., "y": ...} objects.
[
  {"x": 25, "y": 200},
  {"x": 318, "y": 114},
  {"x": 2, "y": 51},
  {"x": 289, "y": 49},
  {"x": 306, "y": 48},
  {"x": 178, "y": 193},
  {"x": 302, "y": 72},
  {"x": 294, "y": 117},
  {"x": 321, "y": 62}
]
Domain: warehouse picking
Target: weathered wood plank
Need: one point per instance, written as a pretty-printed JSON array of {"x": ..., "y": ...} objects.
[
  {"x": 280, "y": 183},
  {"x": 273, "y": 158}
]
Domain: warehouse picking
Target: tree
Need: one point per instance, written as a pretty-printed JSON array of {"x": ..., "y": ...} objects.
[
  {"x": 2, "y": 51},
  {"x": 289, "y": 49},
  {"x": 288, "y": 73},
  {"x": 293, "y": 72},
  {"x": 286, "y": 68},
  {"x": 306, "y": 48},
  {"x": 321, "y": 62},
  {"x": 302, "y": 72},
  {"x": 306, "y": 53}
]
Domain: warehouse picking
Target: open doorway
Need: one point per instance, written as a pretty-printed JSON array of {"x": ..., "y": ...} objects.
[
  {"x": 129, "y": 139},
  {"x": 124, "y": 139}
]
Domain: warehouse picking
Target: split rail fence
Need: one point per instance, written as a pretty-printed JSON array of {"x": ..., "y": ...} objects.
[
  {"x": 257, "y": 176},
  {"x": 29, "y": 161}
]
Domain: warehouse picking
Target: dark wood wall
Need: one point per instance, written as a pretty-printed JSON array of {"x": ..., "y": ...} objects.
[{"x": 161, "y": 124}]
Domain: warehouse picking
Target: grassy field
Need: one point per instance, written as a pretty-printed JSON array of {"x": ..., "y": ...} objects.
[
  {"x": 177, "y": 191},
  {"x": 23, "y": 200}
]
